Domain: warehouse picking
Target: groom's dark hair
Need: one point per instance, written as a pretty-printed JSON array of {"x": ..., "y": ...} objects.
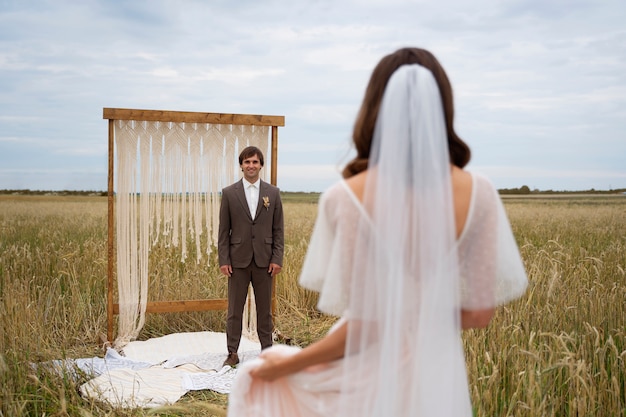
[{"x": 249, "y": 152}]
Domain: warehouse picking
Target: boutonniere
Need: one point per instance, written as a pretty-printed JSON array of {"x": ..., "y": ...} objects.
[{"x": 266, "y": 202}]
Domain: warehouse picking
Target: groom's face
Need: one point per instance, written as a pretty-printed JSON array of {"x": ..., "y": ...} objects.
[{"x": 251, "y": 168}]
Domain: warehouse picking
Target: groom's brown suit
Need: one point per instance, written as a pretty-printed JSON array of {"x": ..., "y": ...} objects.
[{"x": 249, "y": 246}]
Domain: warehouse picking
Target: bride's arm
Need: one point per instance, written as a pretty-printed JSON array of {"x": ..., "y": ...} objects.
[
  {"x": 476, "y": 318},
  {"x": 275, "y": 365}
]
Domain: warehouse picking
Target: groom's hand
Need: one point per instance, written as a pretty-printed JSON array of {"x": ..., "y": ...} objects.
[
  {"x": 226, "y": 270},
  {"x": 274, "y": 269}
]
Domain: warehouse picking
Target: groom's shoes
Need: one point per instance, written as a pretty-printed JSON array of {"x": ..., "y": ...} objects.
[{"x": 231, "y": 360}]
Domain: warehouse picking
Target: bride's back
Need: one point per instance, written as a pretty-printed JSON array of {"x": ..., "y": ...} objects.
[{"x": 461, "y": 190}]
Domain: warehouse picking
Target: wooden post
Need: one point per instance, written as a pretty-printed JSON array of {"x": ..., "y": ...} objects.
[
  {"x": 273, "y": 179},
  {"x": 274, "y": 167},
  {"x": 111, "y": 223}
]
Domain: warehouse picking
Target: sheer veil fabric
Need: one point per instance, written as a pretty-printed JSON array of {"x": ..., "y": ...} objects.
[{"x": 404, "y": 321}]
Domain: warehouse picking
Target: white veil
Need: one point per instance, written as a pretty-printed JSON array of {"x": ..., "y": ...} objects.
[{"x": 404, "y": 310}]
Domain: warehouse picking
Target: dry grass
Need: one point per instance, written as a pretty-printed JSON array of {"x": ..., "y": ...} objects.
[{"x": 559, "y": 351}]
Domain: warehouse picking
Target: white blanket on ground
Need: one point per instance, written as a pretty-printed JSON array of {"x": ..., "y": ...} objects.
[{"x": 160, "y": 371}]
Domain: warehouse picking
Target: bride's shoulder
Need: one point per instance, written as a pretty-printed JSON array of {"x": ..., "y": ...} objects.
[
  {"x": 462, "y": 184},
  {"x": 473, "y": 182},
  {"x": 461, "y": 178},
  {"x": 356, "y": 183},
  {"x": 333, "y": 192},
  {"x": 484, "y": 188}
]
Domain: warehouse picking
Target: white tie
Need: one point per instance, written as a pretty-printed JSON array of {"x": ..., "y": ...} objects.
[{"x": 253, "y": 199}]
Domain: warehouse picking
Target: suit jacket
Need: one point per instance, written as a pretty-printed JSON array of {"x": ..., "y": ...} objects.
[{"x": 240, "y": 236}]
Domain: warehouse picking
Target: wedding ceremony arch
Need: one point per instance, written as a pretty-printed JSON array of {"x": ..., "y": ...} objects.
[{"x": 166, "y": 170}]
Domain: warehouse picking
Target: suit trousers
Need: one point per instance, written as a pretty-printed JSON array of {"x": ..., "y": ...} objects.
[{"x": 238, "y": 284}]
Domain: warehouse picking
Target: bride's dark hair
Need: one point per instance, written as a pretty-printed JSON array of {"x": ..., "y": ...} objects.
[{"x": 366, "y": 120}]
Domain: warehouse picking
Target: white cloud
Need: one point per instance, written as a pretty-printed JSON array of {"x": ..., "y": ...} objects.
[
  {"x": 538, "y": 84},
  {"x": 532, "y": 172},
  {"x": 553, "y": 179},
  {"x": 307, "y": 178}
]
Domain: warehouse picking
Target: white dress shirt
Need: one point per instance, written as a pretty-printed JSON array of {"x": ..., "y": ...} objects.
[{"x": 252, "y": 195}]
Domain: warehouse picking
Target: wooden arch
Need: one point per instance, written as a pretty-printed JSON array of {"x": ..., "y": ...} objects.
[{"x": 113, "y": 114}]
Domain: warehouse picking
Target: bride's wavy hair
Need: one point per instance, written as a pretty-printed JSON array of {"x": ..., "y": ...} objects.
[{"x": 366, "y": 120}]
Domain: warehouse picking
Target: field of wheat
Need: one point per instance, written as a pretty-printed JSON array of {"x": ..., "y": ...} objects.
[{"x": 558, "y": 351}]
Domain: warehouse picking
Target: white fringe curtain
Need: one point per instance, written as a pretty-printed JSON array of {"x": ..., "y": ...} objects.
[{"x": 168, "y": 184}]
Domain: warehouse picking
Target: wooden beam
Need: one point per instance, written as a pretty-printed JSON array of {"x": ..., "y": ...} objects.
[
  {"x": 182, "y": 305},
  {"x": 191, "y": 117}
]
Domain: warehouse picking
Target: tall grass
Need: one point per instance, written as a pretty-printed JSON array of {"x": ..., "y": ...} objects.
[{"x": 558, "y": 351}]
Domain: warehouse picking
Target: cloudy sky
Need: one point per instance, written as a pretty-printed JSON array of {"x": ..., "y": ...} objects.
[{"x": 540, "y": 85}]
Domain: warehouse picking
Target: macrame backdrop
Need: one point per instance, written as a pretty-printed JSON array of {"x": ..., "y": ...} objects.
[{"x": 167, "y": 190}]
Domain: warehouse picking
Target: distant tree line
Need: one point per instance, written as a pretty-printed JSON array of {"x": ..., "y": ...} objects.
[
  {"x": 48, "y": 192},
  {"x": 524, "y": 189},
  {"x": 296, "y": 197},
  {"x": 309, "y": 196}
]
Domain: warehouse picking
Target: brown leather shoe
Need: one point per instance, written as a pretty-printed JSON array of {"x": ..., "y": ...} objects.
[{"x": 231, "y": 360}]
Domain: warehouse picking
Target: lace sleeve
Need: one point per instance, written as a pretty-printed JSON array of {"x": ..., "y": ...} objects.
[
  {"x": 318, "y": 251},
  {"x": 328, "y": 256},
  {"x": 491, "y": 268}
]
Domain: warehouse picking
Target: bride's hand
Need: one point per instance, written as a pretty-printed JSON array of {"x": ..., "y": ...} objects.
[{"x": 271, "y": 368}]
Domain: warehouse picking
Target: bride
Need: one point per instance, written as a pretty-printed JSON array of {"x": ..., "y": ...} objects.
[{"x": 409, "y": 248}]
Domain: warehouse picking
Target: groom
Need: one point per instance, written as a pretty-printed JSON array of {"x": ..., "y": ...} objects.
[{"x": 250, "y": 248}]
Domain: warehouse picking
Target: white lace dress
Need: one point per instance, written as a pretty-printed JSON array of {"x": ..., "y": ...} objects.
[{"x": 487, "y": 251}]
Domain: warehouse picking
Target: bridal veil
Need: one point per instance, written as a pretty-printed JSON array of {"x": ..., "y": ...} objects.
[{"x": 404, "y": 321}]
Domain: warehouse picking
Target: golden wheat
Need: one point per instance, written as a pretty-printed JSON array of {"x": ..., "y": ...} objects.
[{"x": 558, "y": 351}]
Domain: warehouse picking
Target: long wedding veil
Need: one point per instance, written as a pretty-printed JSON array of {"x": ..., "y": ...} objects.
[{"x": 404, "y": 352}]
